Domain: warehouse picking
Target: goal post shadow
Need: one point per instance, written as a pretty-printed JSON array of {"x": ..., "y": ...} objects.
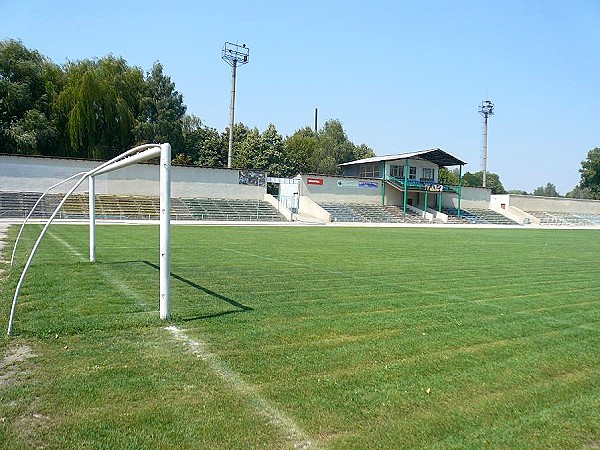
[{"x": 239, "y": 306}]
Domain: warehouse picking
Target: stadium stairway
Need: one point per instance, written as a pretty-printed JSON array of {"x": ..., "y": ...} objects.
[{"x": 411, "y": 216}]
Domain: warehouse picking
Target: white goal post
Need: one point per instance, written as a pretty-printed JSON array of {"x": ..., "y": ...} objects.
[{"x": 132, "y": 156}]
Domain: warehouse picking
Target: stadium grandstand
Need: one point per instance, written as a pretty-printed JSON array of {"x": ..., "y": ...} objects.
[{"x": 395, "y": 189}]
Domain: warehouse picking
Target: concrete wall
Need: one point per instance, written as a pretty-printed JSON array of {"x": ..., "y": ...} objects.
[
  {"x": 554, "y": 204},
  {"x": 321, "y": 188},
  {"x": 308, "y": 208},
  {"x": 471, "y": 197},
  {"x": 31, "y": 174},
  {"x": 36, "y": 174}
]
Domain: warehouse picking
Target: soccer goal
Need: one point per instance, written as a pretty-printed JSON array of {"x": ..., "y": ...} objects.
[{"x": 135, "y": 155}]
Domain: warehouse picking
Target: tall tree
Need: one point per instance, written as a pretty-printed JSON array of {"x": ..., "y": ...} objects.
[
  {"x": 203, "y": 146},
  {"x": 579, "y": 192},
  {"x": 28, "y": 84},
  {"x": 449, "y": 177},
  {"x": 262, "y": 151},
  {"x": 98, "y": 105},
  {"x": 240, "y": 133},
  {"x": 299, "y": 149},
  {"x": 334, "y": 148},
  {"x": 590, "y": 173},
  {"x": 546, "y": 191},
  {"x": 161, "y": 111},
  {"x": 274, "y": 153},
  {"x": 362, "y": 151},
  {"x": 492, "y": 181}
]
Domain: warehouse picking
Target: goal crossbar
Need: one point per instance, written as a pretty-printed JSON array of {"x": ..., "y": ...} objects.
[{"x": 132, "y": 156}]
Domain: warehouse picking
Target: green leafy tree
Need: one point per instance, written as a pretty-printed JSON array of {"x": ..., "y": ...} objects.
[
  {"x": 97, "y": 107},
  {"x": 517, "y": 192},
  {"x": 273, "y": 147},
  {"x": 327, "y": 165},
  {"x": 299, "y": 149},
  {"x": 202, "y": 145},
  {"x": 546, "y": 191},
  {"x": 263, "y": 151},
  {"x": 590, "y": 173},
  {"x": 240, "y": 132},
  {"x": 447, "y": 176},
  {"x": 362, "y": 151},
  {"x": 492, "y": 181},
  {"x": 334, "y": 148},
  {"x": 161, "y": 111},
  {"x": 582, "y": 193},
  {"x": 472, "y": 180},
  {"x": 29, "y": 83}
]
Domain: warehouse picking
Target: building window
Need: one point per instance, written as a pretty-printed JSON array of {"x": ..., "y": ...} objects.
[
  {"x": 428, "y": 174},
  {"x": 412, "y": 173},
  {"x": 397, "y": 171},
  {"x": 369, "y": 171}
]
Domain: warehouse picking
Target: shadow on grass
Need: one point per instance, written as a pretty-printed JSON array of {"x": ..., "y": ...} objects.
[{"x": 240, "y": 307}]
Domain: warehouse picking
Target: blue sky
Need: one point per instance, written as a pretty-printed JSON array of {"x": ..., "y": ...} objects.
[{"x": 400, "y": 75}]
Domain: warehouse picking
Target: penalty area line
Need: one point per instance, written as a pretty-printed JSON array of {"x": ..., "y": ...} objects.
[{"x": 278, "y": 418}]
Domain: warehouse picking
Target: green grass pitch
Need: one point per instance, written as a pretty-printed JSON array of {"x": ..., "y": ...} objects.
[{"x": 314, "y": 337}]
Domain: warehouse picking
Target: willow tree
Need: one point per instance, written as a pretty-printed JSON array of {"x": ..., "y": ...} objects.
[{"x": 98, "y": 106}]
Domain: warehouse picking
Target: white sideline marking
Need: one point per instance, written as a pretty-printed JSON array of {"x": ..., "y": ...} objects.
[
  {"x": 3, "y": 232},
  {"x": 275, "y": 416},
  {"x": 199, "y": 349},
  {"x": 125, "y": 290},
  {"x": 68, "y": 246}
]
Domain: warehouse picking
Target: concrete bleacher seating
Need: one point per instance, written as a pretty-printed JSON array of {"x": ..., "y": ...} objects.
[
  {"x": 453, "y": 218},
  {"x": 411, "y": 216},
  {"x": 566, "y": 219},
  {"x": 355, "y": 212},
  {"x": 341, "y": 212},
  {"x": 16, "y": 205},
  {"x": 478, "y": 216},
  {"x": 232, "y": 209}
]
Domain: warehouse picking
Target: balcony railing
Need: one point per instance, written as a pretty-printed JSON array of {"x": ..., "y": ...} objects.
[{"x": 418, "y": 185}]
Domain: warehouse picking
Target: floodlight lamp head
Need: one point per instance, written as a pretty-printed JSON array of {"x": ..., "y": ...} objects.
[
  {"x": 234, "y": 54},
  {"x": 486, "y": 109}
]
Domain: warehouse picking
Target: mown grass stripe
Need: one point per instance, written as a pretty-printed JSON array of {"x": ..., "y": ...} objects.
[
  {"x": 378, "y": 338},
  {"x": 200, "y": 349}
]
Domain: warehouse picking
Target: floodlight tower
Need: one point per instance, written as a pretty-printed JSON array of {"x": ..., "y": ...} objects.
[
  {"x": 233, "y": 54},
  {"x": 486, "y": 109}
]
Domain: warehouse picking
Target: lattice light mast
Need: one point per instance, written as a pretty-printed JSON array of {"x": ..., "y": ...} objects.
[
  {"x": 486, "y": 109},
  {"x": 233, "y": 54}
]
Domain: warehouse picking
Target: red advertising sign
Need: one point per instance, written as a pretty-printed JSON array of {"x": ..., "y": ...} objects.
[{"x": 317, "y": 181}]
